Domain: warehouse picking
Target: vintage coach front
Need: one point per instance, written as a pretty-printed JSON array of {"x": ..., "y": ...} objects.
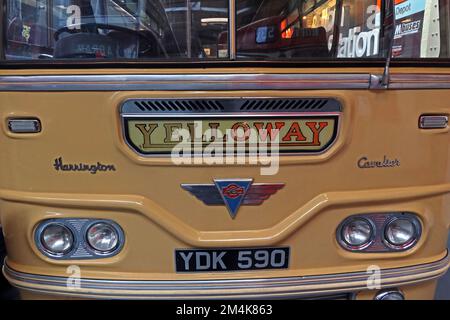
[{"x": 240, "y": 149}]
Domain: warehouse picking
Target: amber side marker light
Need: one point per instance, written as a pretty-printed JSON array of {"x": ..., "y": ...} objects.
[{"x": 31, "y": 125}]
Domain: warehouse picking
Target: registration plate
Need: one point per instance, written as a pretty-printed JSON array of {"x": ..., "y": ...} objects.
[{"x": 217, "y": 260}]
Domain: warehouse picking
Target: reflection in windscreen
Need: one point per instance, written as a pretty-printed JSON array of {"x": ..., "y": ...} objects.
[
  {"x": 198, "y": 29},
  {"x": 114, "y": 29},
  {"x": 286, "y": 29}
]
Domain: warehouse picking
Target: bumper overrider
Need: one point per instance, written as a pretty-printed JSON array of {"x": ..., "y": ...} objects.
[{"x": 329, "y": 285}]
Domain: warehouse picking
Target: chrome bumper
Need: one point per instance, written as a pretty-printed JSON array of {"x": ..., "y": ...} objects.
[{"x": 292, "y": 287}]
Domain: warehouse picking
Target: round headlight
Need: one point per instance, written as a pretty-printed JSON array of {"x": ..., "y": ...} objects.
[
  {"x": 357, "y": 233},
  {"x": 57, "y": 239},
  {"x": 400, "y": 232},
  {"x": 103, "y": 237}
]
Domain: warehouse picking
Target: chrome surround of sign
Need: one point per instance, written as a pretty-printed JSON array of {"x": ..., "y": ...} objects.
[
  {"x": 328, "y": 109},
  {"x": 252, "y": 194}
]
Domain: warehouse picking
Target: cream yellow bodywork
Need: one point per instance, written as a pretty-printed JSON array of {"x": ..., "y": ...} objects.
[{"x": 144, "y": 195}]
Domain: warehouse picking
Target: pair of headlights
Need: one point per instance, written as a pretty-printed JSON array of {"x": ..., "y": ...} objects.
[
  {"x": 380, "y": 232},
  {"x": 87, "y": 238},
  {"x": 60, "y": 239}
]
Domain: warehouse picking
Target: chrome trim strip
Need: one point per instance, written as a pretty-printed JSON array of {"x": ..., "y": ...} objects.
[
  {"x": 219, "y": 82},
  {"x": 419, "y": 81},
  {"x": 229, "y": 115},
  {"x": 301, "y": 287},
  {"x": 155, "y": 82}
]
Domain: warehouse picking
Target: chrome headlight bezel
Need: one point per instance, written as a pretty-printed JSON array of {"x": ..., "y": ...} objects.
[
  {"x": 417, "y": 232},
  {"x": 379, "y": 221},
  {"x": 388, "y": 293},
  {"x": 81, "y": 250},
  {"x": 118, "y": 230},
  {"x": 341, "y": 237},
  {"x": 39, "y": 239}
]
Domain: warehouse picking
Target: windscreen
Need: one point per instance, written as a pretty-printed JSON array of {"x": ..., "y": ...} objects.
[
  {"x": 115, "y": 29},
  {"x": 309, "y": 29},
  {"x": 190, "y": 30}
]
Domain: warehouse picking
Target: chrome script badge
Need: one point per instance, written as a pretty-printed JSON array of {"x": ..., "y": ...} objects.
[{"x": 233, "y": 193}]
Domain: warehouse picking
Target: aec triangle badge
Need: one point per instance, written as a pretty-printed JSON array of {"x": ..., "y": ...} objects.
[{"x": 233, "y": 192}]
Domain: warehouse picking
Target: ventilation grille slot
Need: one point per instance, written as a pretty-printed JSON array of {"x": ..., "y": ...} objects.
[
  {"x": 179, "y": 105},
  {"x": 280, "y": 105},
  {"x": 230, "y": 105}
]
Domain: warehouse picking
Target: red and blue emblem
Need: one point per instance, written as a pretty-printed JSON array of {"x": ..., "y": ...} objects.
[{"x": 233, "y": 193}]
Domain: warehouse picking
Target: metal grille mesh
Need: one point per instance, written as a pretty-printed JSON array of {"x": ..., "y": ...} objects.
[{"x": 231, "y": 105}]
